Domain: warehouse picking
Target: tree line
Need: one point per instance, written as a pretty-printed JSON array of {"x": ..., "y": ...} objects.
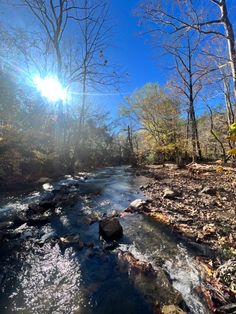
[{"x": 188, "y": 119}]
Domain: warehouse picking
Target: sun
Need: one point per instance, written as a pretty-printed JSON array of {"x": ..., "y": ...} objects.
[{"x": 50, "y": 88}]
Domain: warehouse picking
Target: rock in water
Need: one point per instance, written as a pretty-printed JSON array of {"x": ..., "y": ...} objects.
[
  {"x": 6, "y": 225},
  {"x": 71, "y": 239},
  {"x": 44, "y": 180},
  {"x": 110, "y": 228},
  {"x": 137, "y": 204},
  {"x": 152, "y": 283}
]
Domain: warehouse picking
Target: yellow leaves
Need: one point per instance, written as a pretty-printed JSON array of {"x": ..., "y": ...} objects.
[
  {"x": 232, "y": 151},
  {"x": 232, "y": 128},
  {"x": 219, "y": 169},
  {"x": 232, "y": 137}
]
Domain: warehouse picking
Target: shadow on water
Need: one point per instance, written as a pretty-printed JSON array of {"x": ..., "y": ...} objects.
[{"x": 44, "y": 278}]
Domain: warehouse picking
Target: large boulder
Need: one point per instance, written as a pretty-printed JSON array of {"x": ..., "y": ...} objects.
[{"x": 110, "y": 228}]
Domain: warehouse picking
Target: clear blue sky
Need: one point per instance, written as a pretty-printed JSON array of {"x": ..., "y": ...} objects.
[{"x": 132, "y": 52}]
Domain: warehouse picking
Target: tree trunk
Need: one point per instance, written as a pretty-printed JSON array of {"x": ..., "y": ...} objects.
[
  {"x": 192, "y": 116},
  {"x": 230, "y": 39},
  {"x": 228, "y": 103}
]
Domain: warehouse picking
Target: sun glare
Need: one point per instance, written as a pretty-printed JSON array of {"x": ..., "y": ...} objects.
[{"x": 50, "y": 88}]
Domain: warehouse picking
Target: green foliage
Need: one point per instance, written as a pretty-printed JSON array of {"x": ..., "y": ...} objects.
[{"x": 232, "y": 137}]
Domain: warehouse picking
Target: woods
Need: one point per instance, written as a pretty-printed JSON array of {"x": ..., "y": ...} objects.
[
  {"x": 202, "y": 49},
  {"x": 56, "y": 138},
  {"x": 117, "y": 156},
  {"x": 188, "y": 119}
]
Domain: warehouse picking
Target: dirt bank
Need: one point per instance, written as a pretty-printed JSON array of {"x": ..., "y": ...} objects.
[{"x": 199, "y": 203}]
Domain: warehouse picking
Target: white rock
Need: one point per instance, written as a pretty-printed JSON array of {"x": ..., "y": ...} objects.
[{"x": 138, "y": 203}]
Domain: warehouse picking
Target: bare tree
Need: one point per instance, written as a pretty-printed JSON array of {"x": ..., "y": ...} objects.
[
  {"x": 188, "y": 82},
  {"x": 53, "y": 16},
  {"x": 177, "y": 17}
]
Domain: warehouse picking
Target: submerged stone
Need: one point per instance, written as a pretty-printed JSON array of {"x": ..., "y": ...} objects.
[
  {"x": 152, "y": 283},
  {"x": 6, "y": 225},
  {"x": 110, "y": 228},
  {"x": 44, "y": 180}
]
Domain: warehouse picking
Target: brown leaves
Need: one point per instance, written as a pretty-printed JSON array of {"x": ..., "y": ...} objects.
[{"x": 205, "y": 217}]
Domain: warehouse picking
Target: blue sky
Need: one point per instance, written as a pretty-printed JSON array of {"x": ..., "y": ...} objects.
[
  {"x": 132, "y": 52},
  {"x": 127, "y": 49}
]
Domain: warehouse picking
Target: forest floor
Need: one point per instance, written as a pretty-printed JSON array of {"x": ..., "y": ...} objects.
[{"x": 199, "y": 204}]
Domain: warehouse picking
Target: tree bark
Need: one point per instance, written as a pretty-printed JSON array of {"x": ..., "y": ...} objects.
[{"x": 229, "y": 32}]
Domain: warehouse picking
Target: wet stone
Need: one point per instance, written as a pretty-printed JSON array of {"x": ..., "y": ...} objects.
[
  {"x": 37, "y": 220},
  {"x": 152, "y": 283},
  {"x": 138, "y": 204},
  {"x": 110, "y": 228},
  {"x": 111, "y": 246},
  {"x": 6, "y": 225},
  {"x": 72, "y": 239},
  {"x": 44, "y": 180}
]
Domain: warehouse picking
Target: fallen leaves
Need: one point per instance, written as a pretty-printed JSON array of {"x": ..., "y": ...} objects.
[{"x": 204, "y": 212}]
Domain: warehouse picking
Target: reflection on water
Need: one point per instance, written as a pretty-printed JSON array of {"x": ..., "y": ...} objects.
[
  {"x": 44, "y": 278},
  {"x": 51, "y": 283}
]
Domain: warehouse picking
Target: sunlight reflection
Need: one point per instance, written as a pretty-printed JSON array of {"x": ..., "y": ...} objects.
[{"x": 52, "y": 283}]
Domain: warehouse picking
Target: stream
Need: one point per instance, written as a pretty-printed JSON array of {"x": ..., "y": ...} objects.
[{"x": 39, "y": 277}]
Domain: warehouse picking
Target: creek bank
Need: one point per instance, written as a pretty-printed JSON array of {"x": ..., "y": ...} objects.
[{"x": 199, "y": 204}]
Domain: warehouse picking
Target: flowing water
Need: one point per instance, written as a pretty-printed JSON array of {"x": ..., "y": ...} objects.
[{"x": 41, "y": 279}]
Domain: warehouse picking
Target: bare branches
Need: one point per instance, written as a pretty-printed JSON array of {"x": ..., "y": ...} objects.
[{"x": 188, "y": 16}]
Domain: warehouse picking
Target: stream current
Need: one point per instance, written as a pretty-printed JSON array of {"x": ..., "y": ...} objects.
[{"x": 43, "y": 279}]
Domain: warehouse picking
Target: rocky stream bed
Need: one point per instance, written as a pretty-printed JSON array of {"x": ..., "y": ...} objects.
[{"x": 95, "y": 243}]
